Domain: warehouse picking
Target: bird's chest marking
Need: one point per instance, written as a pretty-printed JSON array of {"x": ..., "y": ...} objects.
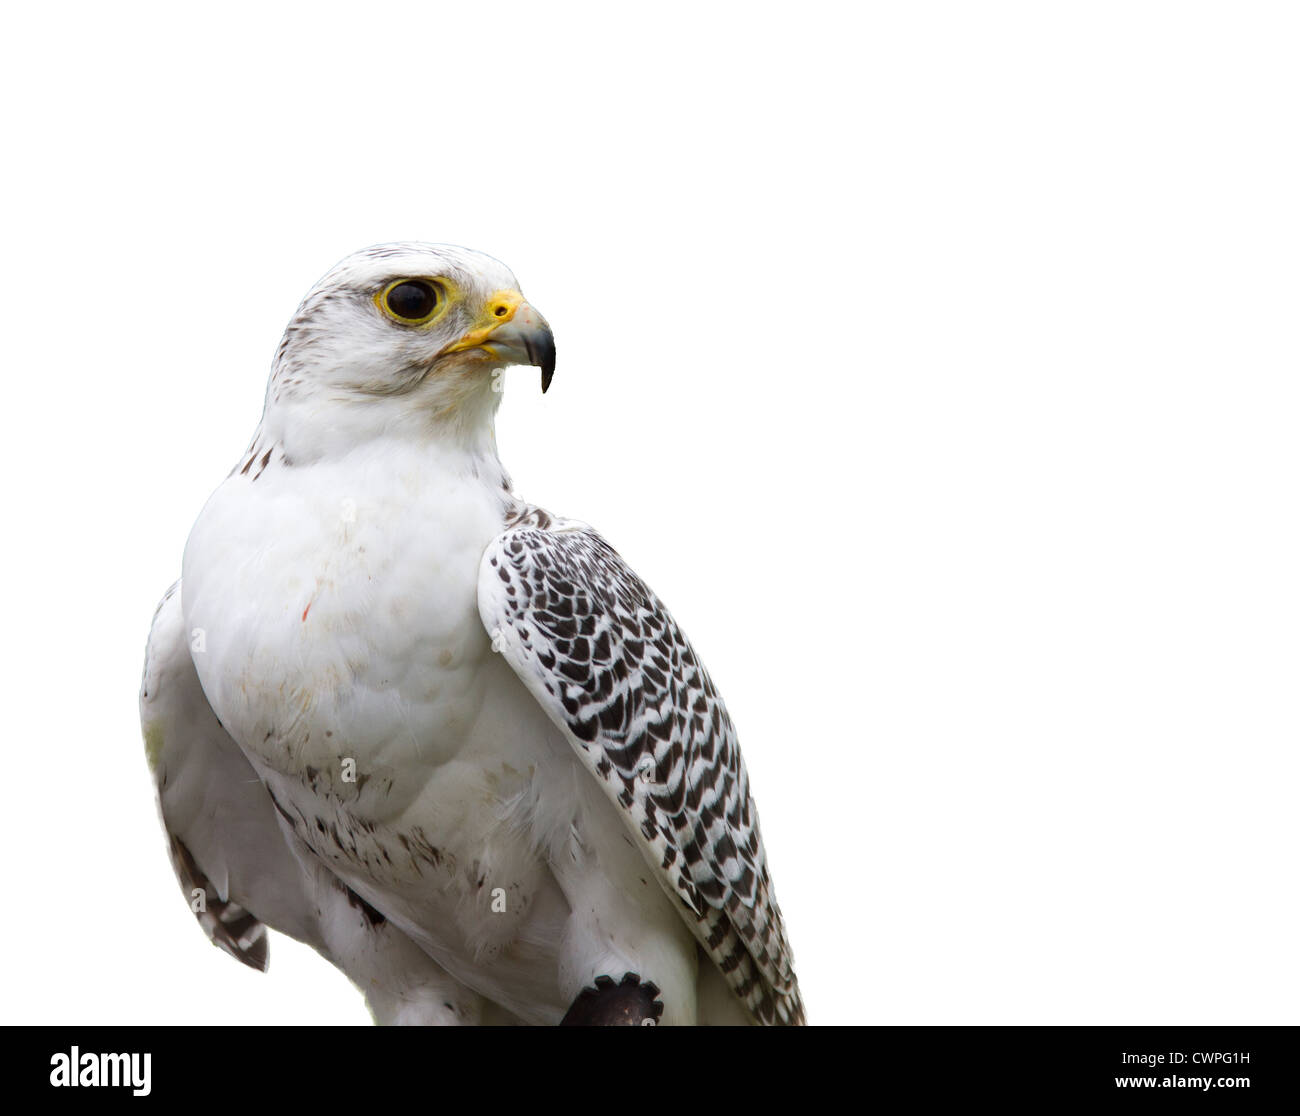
[
  {"x": 477, "y": 891},
  {"x": 339, "y": 836}
]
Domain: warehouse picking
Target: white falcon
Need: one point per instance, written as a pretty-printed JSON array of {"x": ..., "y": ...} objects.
[{"x": 448, "y": 739}]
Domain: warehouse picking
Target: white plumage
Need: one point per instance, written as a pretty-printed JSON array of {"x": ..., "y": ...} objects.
[{"x": 451, "y": 742}]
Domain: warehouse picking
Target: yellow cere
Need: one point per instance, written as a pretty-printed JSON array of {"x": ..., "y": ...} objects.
[{"x": 499, "y": 309}]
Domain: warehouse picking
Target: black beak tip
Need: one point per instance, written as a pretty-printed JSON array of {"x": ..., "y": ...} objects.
[{"x": 541, "y": 351}]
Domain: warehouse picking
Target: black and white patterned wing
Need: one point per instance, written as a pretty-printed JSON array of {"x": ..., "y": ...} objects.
[{"x": 612, "y": 669}]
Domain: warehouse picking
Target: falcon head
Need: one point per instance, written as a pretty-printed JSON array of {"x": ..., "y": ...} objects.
[{"x": 405, "y": 335}]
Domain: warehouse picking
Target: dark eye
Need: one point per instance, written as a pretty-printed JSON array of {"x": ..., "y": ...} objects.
[{"x": 412, "y": 300}]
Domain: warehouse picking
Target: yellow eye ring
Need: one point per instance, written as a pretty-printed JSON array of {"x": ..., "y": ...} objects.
[{"x": 412, "y": 302}]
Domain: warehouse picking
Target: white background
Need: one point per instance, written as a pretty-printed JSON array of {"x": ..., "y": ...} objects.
[{"x": 937, "y": 363}]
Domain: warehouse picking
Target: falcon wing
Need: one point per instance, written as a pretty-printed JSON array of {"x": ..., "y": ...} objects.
[
  {"x": 611, "y": 668},
  {"x": 221, "y": 828}
]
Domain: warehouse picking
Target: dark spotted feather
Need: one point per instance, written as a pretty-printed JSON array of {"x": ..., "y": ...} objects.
[
  {"x": 609, "y": 664},
  {"x": 225, "y": 922}
]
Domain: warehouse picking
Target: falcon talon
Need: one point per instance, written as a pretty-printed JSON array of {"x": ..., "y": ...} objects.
[{"x": 629, "y": 1003}]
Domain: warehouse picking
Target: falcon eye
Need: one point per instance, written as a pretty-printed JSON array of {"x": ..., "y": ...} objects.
[{"x": 412, "y": 300}]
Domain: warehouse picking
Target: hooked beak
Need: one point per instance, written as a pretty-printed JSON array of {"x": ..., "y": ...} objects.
[
  {"x": 513, "y": 332},
  {"x": 527, "y": 339}
]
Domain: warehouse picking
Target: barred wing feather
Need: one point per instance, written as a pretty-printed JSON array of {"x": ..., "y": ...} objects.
[{"x": 612, "y": 669}]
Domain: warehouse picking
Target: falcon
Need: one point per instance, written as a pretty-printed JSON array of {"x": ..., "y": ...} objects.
[{"x": 448, "y": 739}]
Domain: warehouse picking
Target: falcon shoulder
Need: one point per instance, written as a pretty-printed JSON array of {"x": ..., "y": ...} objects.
[{"x": 610, "y": 666}]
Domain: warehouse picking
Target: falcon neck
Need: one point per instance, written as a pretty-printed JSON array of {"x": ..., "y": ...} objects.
[{"x": 453, "y": 444}]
